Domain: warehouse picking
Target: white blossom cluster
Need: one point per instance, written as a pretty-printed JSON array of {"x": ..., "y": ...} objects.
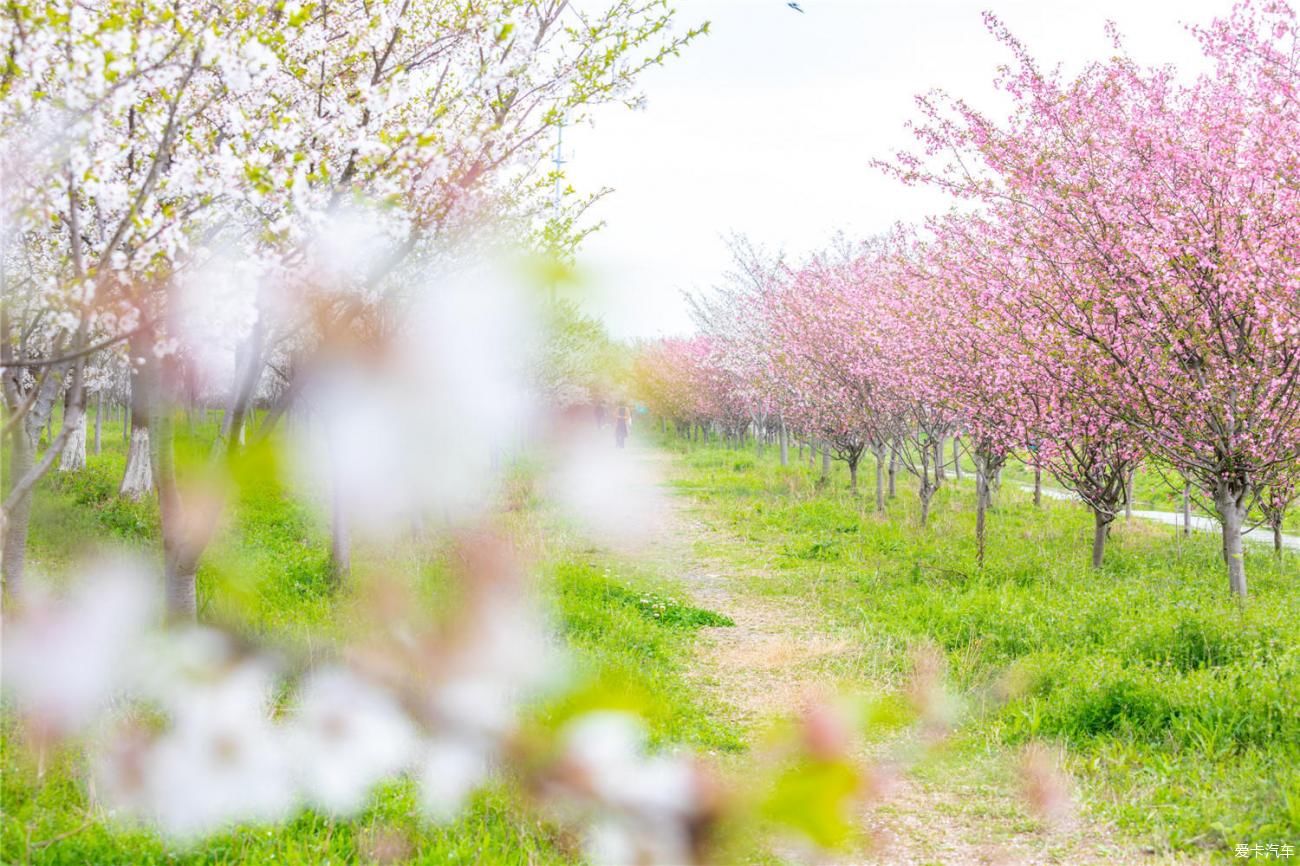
[{"x": 192, "y": 733}]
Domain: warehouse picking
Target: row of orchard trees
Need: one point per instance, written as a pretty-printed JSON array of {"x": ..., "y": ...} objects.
[
  {"x": 212, "y": 199},
  {"x": 1119, "y": 284}
]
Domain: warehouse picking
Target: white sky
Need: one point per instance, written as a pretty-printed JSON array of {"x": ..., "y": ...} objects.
[{"x": 766, "y": 127}]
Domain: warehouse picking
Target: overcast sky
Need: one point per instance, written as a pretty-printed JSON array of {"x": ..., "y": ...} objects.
[{"x": 767, "y": 126}]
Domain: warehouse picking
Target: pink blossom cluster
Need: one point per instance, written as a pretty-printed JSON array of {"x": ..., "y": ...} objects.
[{"x": 1118, "y": 283}]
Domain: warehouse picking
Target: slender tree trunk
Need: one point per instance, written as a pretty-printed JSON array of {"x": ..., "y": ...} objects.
[
  {"x": 812, "y": 455},
  {"x": 1187, "y": 508},
  {"x": 22, "y": 457},
  {"x": 826, "y": 464},
  {"x": 99, "y": 419},
  {"x": 853, "y": 475},
  {"x": 799, "y": 447},
  {"x": 1038, "y": 486},
  {"x": 940, "y": 475},
  {"x": 785, "y": 445},
  {"x": 925, "y": 493},
  {"x": 893, "y": 472},
  {"x": 137, "y": 480},
  {"x": 126, "y": 422},
  {"x": 1230, "y": 503},
  {"x": 23, "y": 444},
  {"x": 880, "y": 481},
  {"x": 182, "y": 544},
  {"x": 1128, "y": 494},
  {"x": 186, "y": 536},
  {"x": 1101, "y": 528},
  {"x": 73, "y": 456},
  {"x": 956, "y": 457},
  {"x": 981, "y": 511}
]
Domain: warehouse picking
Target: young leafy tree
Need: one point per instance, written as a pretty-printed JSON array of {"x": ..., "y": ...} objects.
[{"x": 189, "y": 134}]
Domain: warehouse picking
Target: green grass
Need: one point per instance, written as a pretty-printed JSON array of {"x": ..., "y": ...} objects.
[
  {"x": 267, "y": 573},
  {"x": 1180, "y": 709}
]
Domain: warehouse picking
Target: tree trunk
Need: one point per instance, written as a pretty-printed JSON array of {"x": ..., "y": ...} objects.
[
  {"x": 137, "y": 480},
  {"x": 785, "y": 446},
  {"x": 73, "y": 457},
  {"x": 99, "y": 419},
  {"x": 1187, "y": 508},
  {"x": 1038, "y": 486},
  {"x": 126, "y": 423},
  {"x": 24, "y": 439},
  {"x": 182, "y": 596},
  {"x": 939, "y": 474},
  {"x": 893, "y": 472},
  {"x": 956, "y": 457},
  {"x": 799, "y": 446},
  {"x": 924, "y": 493},
  {"x": 926, "y": 488},
  {"x": 981, "y": 511},
  {"x": 853, "y": 475},
  {"x": 182, "y": 539},
  {"x": 1101, "y": 527},
  {"x": 22, "y": 457},
  {"x": 880, "y": 482},
  {"x": 826, "y": 464},
  {"x": 812, "y": 455},
  {"x": 1229, "y": 501}
]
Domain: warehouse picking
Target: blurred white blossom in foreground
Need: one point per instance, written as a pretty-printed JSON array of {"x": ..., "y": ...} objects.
[
  {"x": 65, "y": 657},
  {"x": 414, "y": 428},
  {"x": 613, "y": 496}
]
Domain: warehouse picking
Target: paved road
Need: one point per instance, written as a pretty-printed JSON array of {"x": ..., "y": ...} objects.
[{"x": 1201, "y": 523}]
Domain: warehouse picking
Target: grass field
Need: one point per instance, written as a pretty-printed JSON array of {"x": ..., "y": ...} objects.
[
  {"x": 1179, "y": 709},
  {"x": 269, "y": 572}
]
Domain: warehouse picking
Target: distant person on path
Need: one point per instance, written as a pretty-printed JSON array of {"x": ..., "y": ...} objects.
[{"x": 622, "y": 424}]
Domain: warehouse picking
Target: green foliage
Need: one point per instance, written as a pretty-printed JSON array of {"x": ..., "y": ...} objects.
[{"x": 809, "y": 797}]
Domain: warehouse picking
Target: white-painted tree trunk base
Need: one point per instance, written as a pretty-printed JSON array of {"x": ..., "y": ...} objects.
[
  {"x": 182, "y": 597},
  {"x": 137, "y": 481},
  {"x": 73, "y": 458}
]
